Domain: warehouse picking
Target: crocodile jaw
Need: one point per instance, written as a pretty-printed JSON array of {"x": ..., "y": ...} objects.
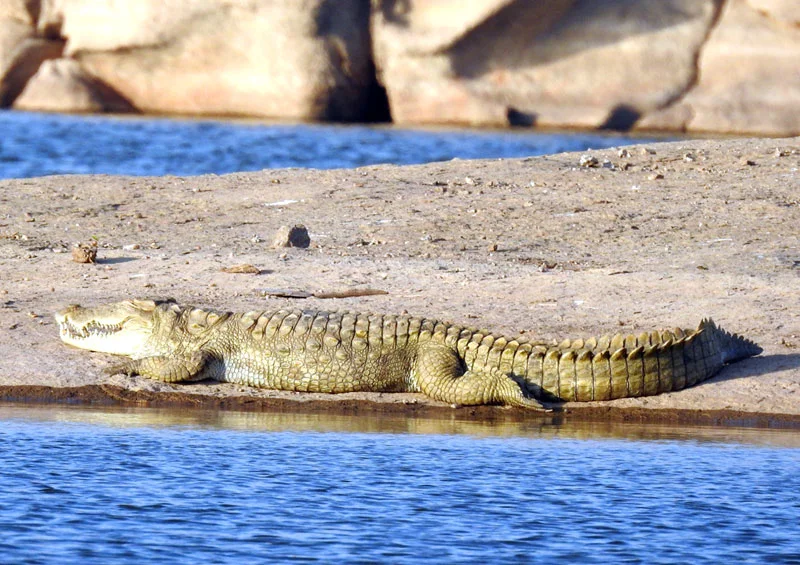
[{"x": 121, "y": 328}]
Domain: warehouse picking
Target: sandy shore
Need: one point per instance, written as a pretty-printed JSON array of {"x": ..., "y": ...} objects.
[{"x": 656, "y": 236}]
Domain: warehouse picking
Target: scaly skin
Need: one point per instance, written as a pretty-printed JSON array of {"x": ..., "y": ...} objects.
[{"x": 336, "y": 352}]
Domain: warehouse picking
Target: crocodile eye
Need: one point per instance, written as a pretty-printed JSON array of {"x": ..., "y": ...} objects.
[{"x": 144, "y": 304}]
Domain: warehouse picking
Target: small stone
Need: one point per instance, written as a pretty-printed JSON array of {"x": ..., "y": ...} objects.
[
  {"x": 493, "y": 247},
  {"x": 469, "y": 181},
  {"x": 655, "y": 176},
  {"x": 29, "y": 218},
  {"x": 244, "y": 269},
  {"x": 131, "y": 247},
  {"x": 295, "y": 236},
  {"x": 647, "y": 151},
  {"x": 689, "y": 158},
  {"x": 748, "y": 162},
  {"x": 623, "y": 153},
  {"x": 85, "y": 252},
  {"x": 589, "y": 161}
]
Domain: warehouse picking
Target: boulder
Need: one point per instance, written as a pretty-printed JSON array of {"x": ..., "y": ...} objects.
[
  {"x": 302, "y": 60},
  {"x": 538, "y": 62}
]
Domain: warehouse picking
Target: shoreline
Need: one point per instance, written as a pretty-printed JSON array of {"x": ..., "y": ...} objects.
[{"x": 381, "y": 404}]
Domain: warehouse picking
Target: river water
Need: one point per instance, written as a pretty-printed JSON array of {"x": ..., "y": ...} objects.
[
  {"x": 138, "y": 486},
  {"x": 45, "y": 144},
  {"x": 141, "y": 486}
]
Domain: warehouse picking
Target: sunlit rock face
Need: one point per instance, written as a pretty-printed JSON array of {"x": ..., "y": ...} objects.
[{"x": 308, "y": 60}]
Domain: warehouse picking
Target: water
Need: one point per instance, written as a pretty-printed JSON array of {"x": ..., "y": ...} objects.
[
  {"x": 45, "y": 144},
  {"x": 208, "y": 487}
]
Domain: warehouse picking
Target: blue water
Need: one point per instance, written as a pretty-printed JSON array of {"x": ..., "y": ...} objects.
[
  {"x": 139, "y": 487},
  {"x": 45, "y": 144}
]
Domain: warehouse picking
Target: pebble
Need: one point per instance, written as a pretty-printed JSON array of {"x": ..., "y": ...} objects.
[
  {"x": 244, "y": 269},
  {"x": 295, "y": 236},
  {"x": 85, "y": 252},
  {"x": 588, "y": 161}
]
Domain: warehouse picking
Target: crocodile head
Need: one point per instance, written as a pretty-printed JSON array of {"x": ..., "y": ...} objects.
[{"x": 123, "y": 328}]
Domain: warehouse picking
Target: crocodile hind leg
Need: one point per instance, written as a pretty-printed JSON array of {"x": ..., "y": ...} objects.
[
  {"x": 440, "y": 374},
  {"x": 168, "y": 368}
]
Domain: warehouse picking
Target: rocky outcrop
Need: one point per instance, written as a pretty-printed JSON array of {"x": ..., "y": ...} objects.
[
  {"x": 694, "y": 65},
  {"x": 677, "y": 65}
]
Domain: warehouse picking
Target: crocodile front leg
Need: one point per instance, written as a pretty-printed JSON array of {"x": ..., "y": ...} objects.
[
  {"x": 171, "y": 368},
  {"x": 440, "y": 374}
]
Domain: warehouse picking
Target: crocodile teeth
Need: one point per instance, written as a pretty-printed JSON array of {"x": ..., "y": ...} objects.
[{"x": 87, "y": 330}]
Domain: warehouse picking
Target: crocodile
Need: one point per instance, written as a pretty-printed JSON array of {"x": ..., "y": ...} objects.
[{"x": 335, "y": 352}]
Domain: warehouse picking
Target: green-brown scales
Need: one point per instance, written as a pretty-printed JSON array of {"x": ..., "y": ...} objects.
[{"x": 333, "y": 352}]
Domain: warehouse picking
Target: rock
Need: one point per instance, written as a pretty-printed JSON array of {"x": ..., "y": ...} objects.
[
  {"x": 749, "y": 75},
  {"x": 243, "y": 269},
  {"x": 548, "y": 63},
  {"x": 61, "y": 85},
  {"x": 308, "y": 60},
  {"x": 85, "y": 252},
  {"x": 296, "y": 236},
  {"x": 674, "y": 65}
]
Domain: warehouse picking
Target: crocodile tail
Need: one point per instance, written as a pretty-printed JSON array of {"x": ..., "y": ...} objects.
[
  {"x": 733, "y": 347},
  {"x": 623, "y": 366}
]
